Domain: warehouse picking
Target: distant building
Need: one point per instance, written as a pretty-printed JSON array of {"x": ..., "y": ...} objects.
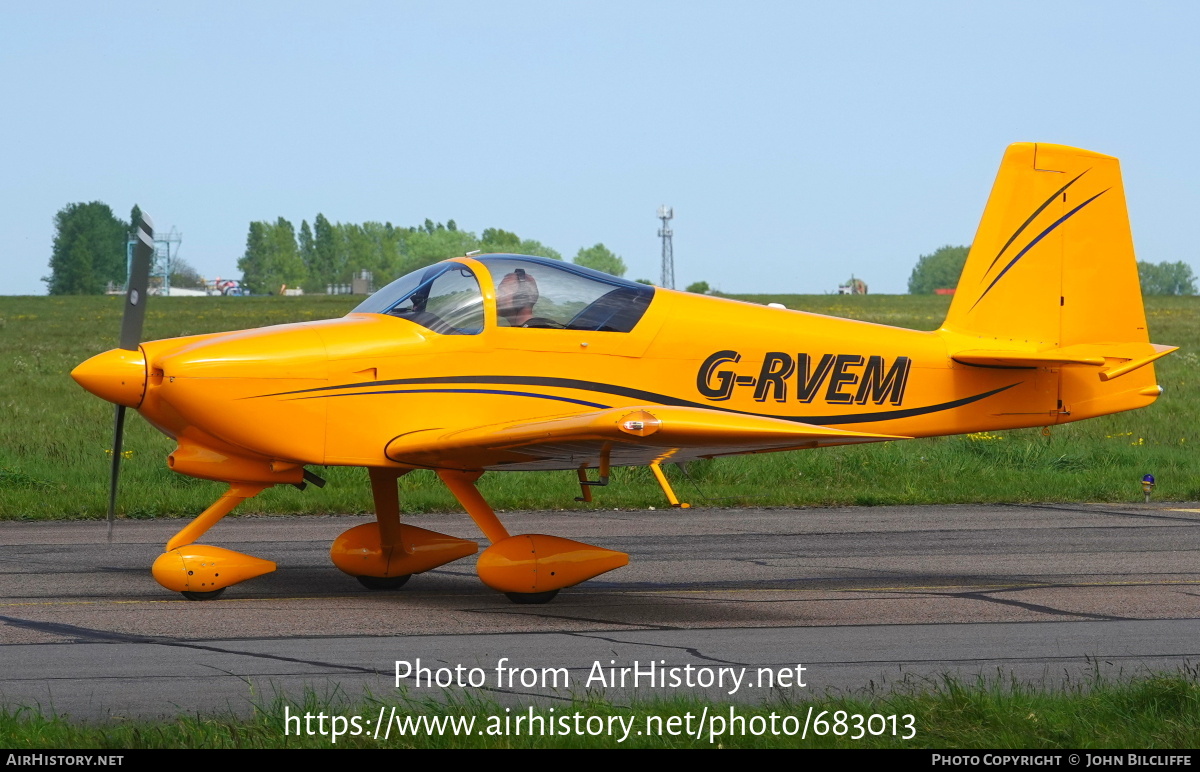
[{"x": 853, "y": 287}]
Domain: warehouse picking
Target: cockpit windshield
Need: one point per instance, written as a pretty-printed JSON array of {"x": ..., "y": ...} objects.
[
  {"x": 537, "y": 292},
  {"x": 530, "y": 292},
  {"x": 444, "y": 297}
]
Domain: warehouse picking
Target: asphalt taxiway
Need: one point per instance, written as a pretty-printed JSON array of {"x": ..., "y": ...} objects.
[{"x": 860, "y": 598}]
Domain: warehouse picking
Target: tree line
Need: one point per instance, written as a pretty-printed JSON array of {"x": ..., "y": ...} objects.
[
  {"x": 942, "y": 268},
  {"x": 89, "y": 251},
  {"x": 327, "y": 253}
]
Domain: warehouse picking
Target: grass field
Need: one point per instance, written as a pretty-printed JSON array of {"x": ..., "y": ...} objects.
[{"x": 55, "y": 439}]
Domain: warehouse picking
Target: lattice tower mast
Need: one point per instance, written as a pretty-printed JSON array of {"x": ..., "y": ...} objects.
[
  {"x": 166, "y": 249},
  {"x": 666, "y": 213}
]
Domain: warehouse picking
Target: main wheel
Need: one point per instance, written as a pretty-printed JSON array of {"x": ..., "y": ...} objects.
[
  {"x": 383, "y": 582},
  {"x": 532, "y": 597},
  {"x": 197, "y": 595}
]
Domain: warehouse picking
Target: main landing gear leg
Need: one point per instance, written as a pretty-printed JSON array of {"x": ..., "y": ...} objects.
[
  {"x": 387, "y": 517},
  {"x": 462, "y": 485},
  {"x": 528, "y": 568},
  {"x": 202, "y": 572},
  {"x": 384, "y": 554},
  {"x": 659, "y": 475}
]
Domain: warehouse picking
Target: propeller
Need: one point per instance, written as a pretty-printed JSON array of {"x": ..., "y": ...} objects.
[{"x": 131, "y": 337}]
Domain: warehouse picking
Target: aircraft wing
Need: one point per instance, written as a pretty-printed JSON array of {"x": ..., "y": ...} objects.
[{"x": 628, "y": 436}]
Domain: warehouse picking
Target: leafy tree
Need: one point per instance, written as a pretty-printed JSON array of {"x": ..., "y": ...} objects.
[
  {"x": 272, "y": 259},
  {"x": 393, "y": 243},
  {"x": 253, "y": 261},
  {"x": 135, "y": 215},
  {"x": 362, "y": 249},
  {"x": 425, "y": 248},
  {"x": 286, "y": 263},
  {"x": 307, "y": 245},
  {"x": 497, "y": 240},
  {"x": 941, "y": 270},
  {"x": 184, "y": 275},
  {"x": 1166, "y": 278},
  {"x": 89, "y": 250},
  {"x": 645, "y": 281},
  {"x": 538, "y": 249},
  {"x": 329, "y": 254},
  {"x": 699, "y": 287},
  {"x": 373, "y": 246},
  {"x": 600, "y": 258},
  {"x": 382, "y": 251}
]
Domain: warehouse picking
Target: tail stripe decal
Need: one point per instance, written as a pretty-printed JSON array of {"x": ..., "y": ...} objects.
[
  {"x": 1025, "y": 224},
  {"x": 1038, "y": 238}
]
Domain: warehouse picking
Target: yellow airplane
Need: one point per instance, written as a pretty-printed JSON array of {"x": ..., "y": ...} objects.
[{"x": 512, "y": 363}]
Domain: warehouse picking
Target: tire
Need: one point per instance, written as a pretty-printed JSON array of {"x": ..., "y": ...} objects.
[
  {"x": 383, "y": 582},
  {"x": 532, "y": 598},
  {"x": 197, "y": 595}
]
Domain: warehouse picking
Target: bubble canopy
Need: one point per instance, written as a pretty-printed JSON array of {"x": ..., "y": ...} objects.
[{"x": 530, "y": 292}]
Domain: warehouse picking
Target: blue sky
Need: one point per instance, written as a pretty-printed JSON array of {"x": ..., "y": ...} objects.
[{"x": 799, "y": 142}]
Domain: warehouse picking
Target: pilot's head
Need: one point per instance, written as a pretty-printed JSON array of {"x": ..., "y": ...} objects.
[{"x": 515, "y": 296}]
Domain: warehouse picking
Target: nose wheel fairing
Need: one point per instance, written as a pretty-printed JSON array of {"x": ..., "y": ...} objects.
[
  {"x": 200, "y": 568},
  {"x": 201, "y": 571}
]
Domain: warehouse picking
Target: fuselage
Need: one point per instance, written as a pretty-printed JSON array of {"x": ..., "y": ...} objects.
[{"x": 337, "y": 392}]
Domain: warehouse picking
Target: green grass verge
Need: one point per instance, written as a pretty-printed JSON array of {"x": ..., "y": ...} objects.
[
  {"x": 55, "y": 439},
  {"x": 1161, "y": 712}
]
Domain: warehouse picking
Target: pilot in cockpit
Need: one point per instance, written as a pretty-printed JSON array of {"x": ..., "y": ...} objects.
[{"x": 516, "y": 296}]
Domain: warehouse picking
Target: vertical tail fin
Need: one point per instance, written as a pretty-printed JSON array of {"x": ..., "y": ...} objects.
[
  {"x": 1052, "y": 264},
  {"x": 1051, "y": 281}
]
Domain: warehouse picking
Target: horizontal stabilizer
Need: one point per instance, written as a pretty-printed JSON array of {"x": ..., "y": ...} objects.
[
  {"x": 625, "y": 436},
  {"x": 1122, "y": 358},
  {"x": 1057, "y": 356}
]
